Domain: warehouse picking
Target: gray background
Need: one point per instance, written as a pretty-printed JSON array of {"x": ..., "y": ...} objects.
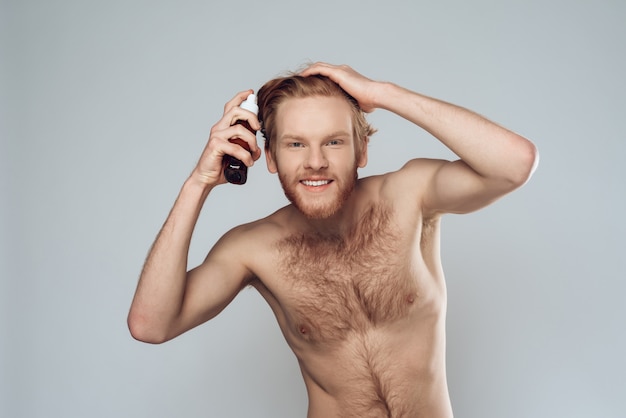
[{"x": 107, "y": 105}]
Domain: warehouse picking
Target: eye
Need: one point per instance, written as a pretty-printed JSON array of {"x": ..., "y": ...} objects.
[
  {"x": 295, "y": 145},
  {"x": 334, "y": 142}
]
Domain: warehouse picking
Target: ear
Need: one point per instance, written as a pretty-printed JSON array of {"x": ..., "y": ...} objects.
[
  {"x": 271, "y": 163},
  {"x": 362, "y": 158}
]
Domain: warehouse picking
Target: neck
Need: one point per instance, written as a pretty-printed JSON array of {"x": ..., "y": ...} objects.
[{"x": 337, "y": 224}]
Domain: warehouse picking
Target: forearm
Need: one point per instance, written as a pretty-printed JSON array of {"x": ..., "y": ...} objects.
[
  {"x": 161, "y": 288},
  {"x": 489, "y": 149}
]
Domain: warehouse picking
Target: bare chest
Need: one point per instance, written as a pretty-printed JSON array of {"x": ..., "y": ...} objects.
[{"x": 338, "y": 284}]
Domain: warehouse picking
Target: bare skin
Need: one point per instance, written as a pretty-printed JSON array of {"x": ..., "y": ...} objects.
[{"x": 352, "y": 269}]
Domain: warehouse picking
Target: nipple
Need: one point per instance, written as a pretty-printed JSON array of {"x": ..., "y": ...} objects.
[{"x": 410, "y": 298}]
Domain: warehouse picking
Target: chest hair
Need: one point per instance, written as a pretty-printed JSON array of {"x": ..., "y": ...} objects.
[{"x": 340, "y": 283}]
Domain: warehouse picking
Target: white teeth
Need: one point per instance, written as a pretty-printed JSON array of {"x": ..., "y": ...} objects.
[{"x": 315, "y": 183}]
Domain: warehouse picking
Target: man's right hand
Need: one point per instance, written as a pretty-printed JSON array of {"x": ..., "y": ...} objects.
[{"x": 209, "y": 170}]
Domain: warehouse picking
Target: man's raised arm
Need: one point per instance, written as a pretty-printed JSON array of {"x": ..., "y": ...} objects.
[
  {"x": 493, "y": 160},
  {"x": 169, "y": 300}
]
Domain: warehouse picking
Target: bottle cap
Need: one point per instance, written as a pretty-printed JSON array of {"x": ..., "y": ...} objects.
[{"x": 250, "y": 104}]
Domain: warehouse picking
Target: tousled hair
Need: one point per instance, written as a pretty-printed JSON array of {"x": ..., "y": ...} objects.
[{"x": 275, "y": 91}]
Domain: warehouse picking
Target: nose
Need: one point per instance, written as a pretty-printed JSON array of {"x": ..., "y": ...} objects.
[{"x": 316, "y": 159}]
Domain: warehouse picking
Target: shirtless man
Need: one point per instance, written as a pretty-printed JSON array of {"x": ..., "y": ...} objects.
[{"x": 351, "y": 268}]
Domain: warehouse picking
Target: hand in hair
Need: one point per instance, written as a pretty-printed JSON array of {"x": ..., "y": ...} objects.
[{"x": 363, "y": 89}]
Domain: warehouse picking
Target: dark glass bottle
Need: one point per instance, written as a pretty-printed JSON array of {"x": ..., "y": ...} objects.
[{"x": 235, "y": 171}]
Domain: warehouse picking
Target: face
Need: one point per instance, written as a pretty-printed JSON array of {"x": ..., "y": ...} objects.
[{"x": 315, "y": 155}]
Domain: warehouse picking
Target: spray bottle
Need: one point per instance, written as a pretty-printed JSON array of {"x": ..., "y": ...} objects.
[{"x": 235, "y": 171}]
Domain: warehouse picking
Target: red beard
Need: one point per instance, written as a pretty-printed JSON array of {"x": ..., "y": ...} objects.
[{"x": 318, "y": 207}]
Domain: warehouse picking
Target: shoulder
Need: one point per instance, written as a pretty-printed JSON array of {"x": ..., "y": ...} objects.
[
  {"x": 257, "y": 233},
  {"x": 247, "y": 248},
  {"x": 255, "y": 243},
  {"x": 405, "y": 191},
  {"x": 410, "y": 182}
]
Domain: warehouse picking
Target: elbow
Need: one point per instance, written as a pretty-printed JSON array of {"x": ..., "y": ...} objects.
[
  {"x": 142, "y": 330},
  {"x": 528, "y": 159}
]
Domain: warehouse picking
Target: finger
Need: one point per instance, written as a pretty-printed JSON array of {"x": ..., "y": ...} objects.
[
  {"x": 234, "y": 114},
  {"x": 237, "y": 100},
  {"x": 248, "y": 137},
  {"x": 238, "y": 114},
  {"x": 238, "y": 136},
  {"x": 240, "y": 153},
  {"x": 320, "y": 68},
  {"x": 340, "y": 74}
]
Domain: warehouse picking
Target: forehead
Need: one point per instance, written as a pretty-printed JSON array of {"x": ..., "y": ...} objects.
[{"x": 309, "y": 116}]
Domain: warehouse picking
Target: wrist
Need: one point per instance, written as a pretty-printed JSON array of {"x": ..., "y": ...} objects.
[
  {"x": 385, "y": 95},
  {"x": 405, "y": 103},
  {"x": 196, "y": 186}
]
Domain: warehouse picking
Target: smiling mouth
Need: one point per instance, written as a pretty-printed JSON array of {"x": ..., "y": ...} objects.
[{"x": 315, "y": 183}]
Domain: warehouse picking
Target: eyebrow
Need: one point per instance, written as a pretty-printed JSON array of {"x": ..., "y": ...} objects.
[{"x": 326, "y": 137}]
